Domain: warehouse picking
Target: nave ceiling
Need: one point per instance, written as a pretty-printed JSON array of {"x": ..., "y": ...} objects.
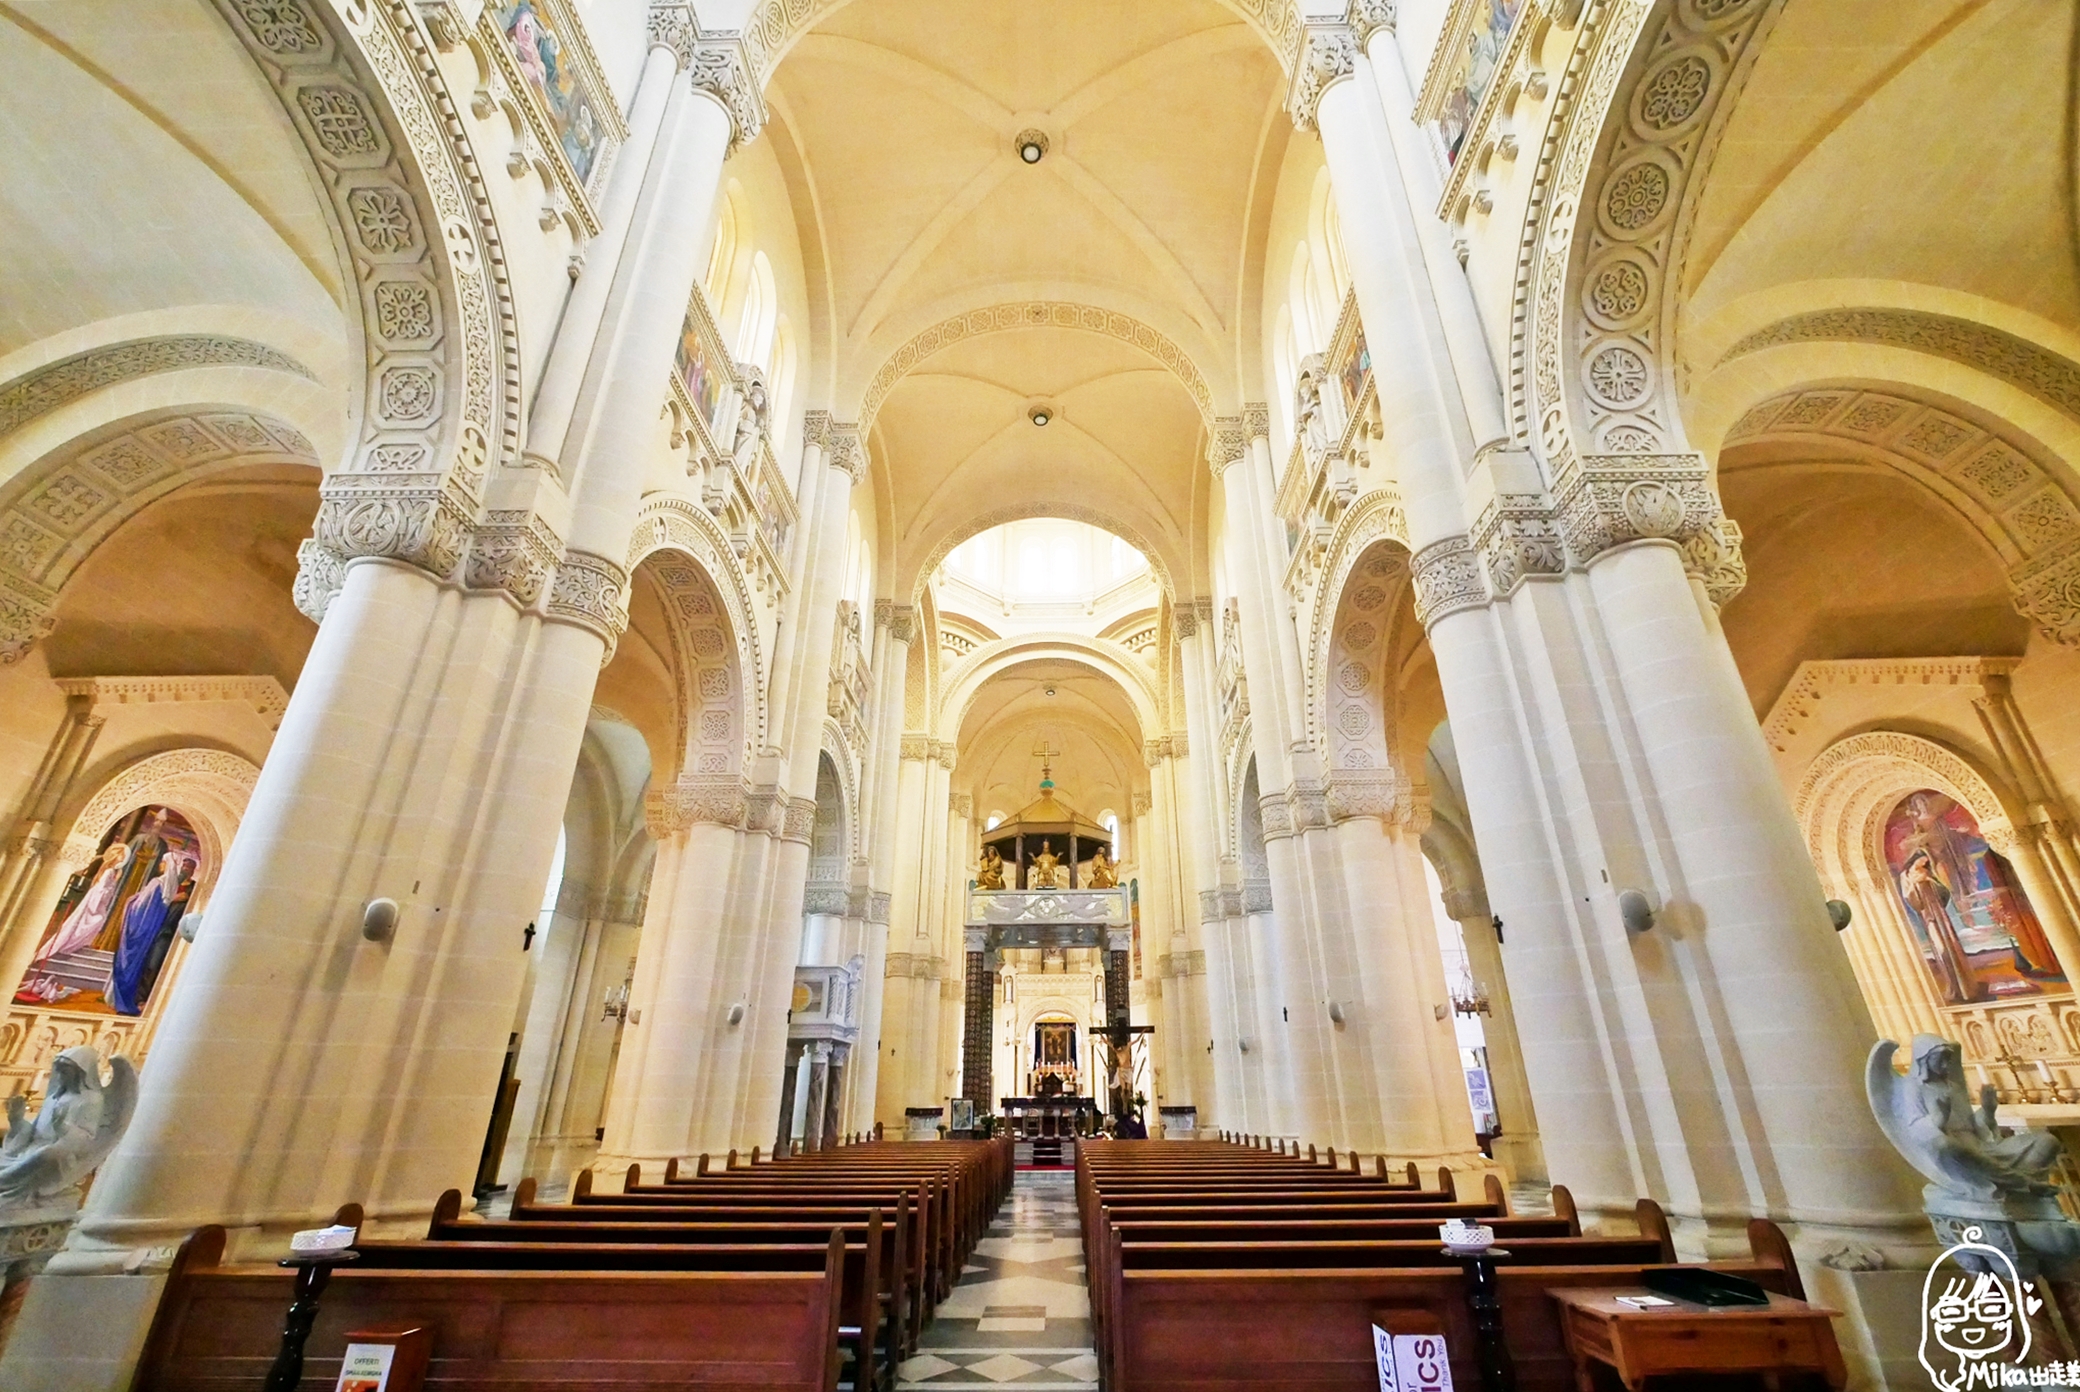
[{"x": 1163, "y": 129}]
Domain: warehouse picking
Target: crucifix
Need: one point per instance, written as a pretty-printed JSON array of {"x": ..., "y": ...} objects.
[{"x": 1046, "y": 753}]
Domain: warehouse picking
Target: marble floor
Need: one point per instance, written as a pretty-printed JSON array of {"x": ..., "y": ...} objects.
[{"x": 1019, "y": 1316}]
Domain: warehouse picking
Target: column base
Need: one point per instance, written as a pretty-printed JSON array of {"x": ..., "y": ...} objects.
[{"x": 81, "y": 1333}]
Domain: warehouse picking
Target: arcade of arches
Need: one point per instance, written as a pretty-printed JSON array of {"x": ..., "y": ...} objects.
[{"x": 538, "y": 539}]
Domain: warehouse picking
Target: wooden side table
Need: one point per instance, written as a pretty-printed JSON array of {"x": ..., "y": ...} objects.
[{"x": 1784, "y": 1336}]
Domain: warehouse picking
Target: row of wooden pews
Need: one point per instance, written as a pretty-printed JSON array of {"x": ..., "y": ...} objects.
[
  {"x": 804, "y": 1272},
  {"x": 1234, "y": 1265}
]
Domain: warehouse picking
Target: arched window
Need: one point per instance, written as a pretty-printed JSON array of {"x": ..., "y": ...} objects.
[
  {"x": 1332, "y": 250},
  {"x": 1299, "y": 298},
  {"x": 1109, "y": 819},
  {"x": 995, "y": 819},
  {"x": 1285, "y": 366},
  {"x": 760, "y": 316},
  {"x": 780, "y": 375},
  {"x": 554, "y": 887},
  {"x": 722, "y": 253}
]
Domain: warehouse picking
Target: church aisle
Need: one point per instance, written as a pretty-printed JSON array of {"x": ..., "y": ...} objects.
[{"x": 1020, "y": 1316}]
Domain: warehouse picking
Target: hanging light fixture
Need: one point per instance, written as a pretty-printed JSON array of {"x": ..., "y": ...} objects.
[{"x": 1470, "y": 997}]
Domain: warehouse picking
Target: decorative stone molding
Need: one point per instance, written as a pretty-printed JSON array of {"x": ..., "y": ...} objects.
[
  {"x": 210, "y": 782},
  {"x": 591, "y": 591},
  {"x": 1035, "y": 314},
  {"x": 694, "y": 593},
  {"x": 1226, "y": 444},
  {"x": 1447, "y": 578},
  {"x": 1812, "y": 682},
  {"x": 1915, "y": 762},
  {"x": 44, "y": 389},
  {"x": 1994, "y": 480},
  {"x": 56, "y": 516},
  {"x": 264, "y": 694},
  {"x": 1518, "y": 534},
  {"x": 1328, "y": 53},
  {"x": 1642, "y": 125},
  {"x": 2015, "y": 360}
]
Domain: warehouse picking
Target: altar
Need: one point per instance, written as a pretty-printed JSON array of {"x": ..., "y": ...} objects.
[{"x": 1049, "y": 1116}]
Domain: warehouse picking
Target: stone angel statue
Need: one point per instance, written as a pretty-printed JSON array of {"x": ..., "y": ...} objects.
[
  {"x": 751, "y": 421},
  {"x": 78, "y": 1125},
  {"x": 1930, "y": 1117}
]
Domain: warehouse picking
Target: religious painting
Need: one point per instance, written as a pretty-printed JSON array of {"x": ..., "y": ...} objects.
[
  {"x": 1357, "y": 361},
  {"x": 1974, "y": 925},
  {"x": 109, "y": 935},
  {"x": 1134, "y": 907},
  {"x": 538, "y": 51},
  {"x": 1476, "y": 72},
  {"x": 702, "y": 377}
]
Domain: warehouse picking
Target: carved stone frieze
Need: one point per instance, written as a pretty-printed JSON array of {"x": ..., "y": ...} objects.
[
  {"x": 1518, "y": 534},
  {"x": 2015, "y": 360},
  {"x": 1328, "y": 53},
  {"x": 28, "y": 612},
  {"x": 591, "y": 591},
  {"x": 46, "y": 388},
  {"x": 1447, "y": 578}
]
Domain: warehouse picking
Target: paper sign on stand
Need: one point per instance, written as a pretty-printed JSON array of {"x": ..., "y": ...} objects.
[
  {"x": 385, "y": 1362},
  {"x": 1411, "y": 1362}
]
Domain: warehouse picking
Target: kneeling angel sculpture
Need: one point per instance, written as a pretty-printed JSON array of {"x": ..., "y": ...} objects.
[
  {"x": 1930, "y": 1118},
  {"x": 78, "y": 1125}
]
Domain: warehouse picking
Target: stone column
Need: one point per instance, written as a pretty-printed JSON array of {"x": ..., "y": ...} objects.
[
  {"x": 902, "y": 1034},
  {"x": 1220, "y": 1104},
  {"x": 33, "y": 834},
  {"x": 978, "y": 1019},
  {"x": 679, "y": 1002},
  {"x": 893, "y": 628},
  {"x": 790, "y": 1079},
  {"x": 819, "y": 1093},
  {"x": 2046, "y": 853},
  {"x": 1517, "y": 1149}
]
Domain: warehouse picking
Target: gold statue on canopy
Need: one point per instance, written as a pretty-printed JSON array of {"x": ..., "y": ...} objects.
[
  {"x": 991, "y": 873},
  {"x": 1104, "y": 874},
  {"x": 1047, "y": 869}
]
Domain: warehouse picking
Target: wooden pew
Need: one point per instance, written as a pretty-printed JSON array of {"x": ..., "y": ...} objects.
[{"x": 218, "y": 1327}]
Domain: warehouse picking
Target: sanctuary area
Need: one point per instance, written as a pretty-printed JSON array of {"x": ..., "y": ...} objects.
[{"x": 894, "y": 694}]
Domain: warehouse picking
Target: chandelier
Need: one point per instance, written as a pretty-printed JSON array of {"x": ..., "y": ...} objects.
[{"x": 1470, "y": 997}]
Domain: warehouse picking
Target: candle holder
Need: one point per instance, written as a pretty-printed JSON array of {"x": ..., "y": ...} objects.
[{"x": 313, "y": 1270}]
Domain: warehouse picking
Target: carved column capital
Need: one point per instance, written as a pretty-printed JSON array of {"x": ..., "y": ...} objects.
[
  {"x": 918, "y": 748},
  {"x": 884, "y": 610},
  {"x": 1447, "y": 579},
  {"x": 844, "y": 452},
  {"x": 1185, "y": 622},
  {"x": 719, "y": 67},
  {"x": 800, "y": 822},
  {"x": 902, "y": 623},
  {"x": 1607, "y": 500},
  {"x": 2047, "y": 591},
  {"x": 1256, "y": 420},
  {"x": 944, "y": 751},
  {"x": 515, "y": 551},
  {"x": 1369, "y": 16},
  {"x": 690, "y": 800},
  {"x": 1328, "y": 54},
  {"x": 1518, "y": 534},
  {"x": 589, "y": 591},
  {"x": 27, "y": 613},
  {"x": 1143, "y": 804},
  {"x": 671, "y": 26},
  {"x": 1227, "y": 444}
]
